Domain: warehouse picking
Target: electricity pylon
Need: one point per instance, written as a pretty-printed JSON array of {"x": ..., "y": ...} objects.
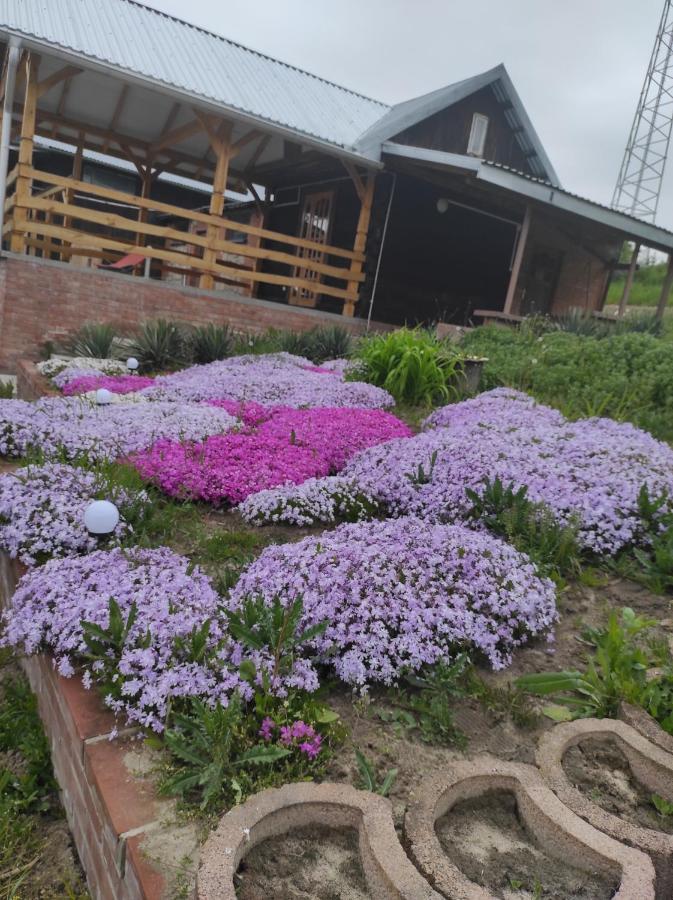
[{"x": 642, "y": 172}]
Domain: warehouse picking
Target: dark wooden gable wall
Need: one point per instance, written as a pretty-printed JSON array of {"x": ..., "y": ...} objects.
[{"x": 449, "y": 130}]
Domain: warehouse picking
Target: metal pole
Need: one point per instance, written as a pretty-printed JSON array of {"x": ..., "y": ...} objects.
[
  {"x": 13, "y": 54},
  {"x": 378, "y": 262}
]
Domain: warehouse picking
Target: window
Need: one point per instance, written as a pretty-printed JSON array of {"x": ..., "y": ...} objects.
[{"x": 477, "y": 139}]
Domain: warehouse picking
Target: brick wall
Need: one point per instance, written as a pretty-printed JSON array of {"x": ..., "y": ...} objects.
[{"x": 40, "y": 299}]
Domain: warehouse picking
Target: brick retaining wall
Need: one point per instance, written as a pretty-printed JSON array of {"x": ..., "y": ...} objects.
[{"x": 41, "y": 299}]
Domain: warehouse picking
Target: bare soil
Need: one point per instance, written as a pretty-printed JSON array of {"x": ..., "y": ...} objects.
[
  {"x": 600, "y": 770},
  {"x": 307, "y": 864},
  {"x": 487, "y": 839}
]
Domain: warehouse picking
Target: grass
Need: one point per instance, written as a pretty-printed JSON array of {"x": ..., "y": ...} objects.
[{"x": 645, "y": 289}]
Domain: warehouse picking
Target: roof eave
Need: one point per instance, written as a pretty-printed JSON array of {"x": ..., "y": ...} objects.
[{"x": 317, "y": 143}]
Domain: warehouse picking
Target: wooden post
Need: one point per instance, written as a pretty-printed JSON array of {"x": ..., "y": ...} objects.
[
  {"x": 24, "y": 185},
  {"x": 222, "y": 149},
  {"x": 665, "y": 289},
  {"x": 522, "y": 240},
  {"x": 628, "y": 283},
  {"x": 366, "y": 198}
]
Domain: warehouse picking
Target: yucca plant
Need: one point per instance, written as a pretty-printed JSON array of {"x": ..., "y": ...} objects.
[
  {"x": 160, "y": 344},
  {"x": 412, "y": 364},
  {"x": 295, "y": 342},
  {"x": 98, "y": 340},
  {"x": 208, "y": 343},
  {"x": 253, "y": 342},
  {"x": 331, "y": 342}
]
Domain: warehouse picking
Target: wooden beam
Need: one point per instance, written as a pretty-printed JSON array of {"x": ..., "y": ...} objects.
[
  {"x": 360, "y": 244},
  {"x": 176, "y": 136},
  {"x": 665, "y": 289},
  {"x": 217, "y": 200},
  {"x": 119, "y": 106},
  {"x": 357, "y": 181},
  {"x": 628, "y": 281},
  {"x": 65, "y": 74},
  {"x": 521, "y": 241},
  {"x": 259, "y": 150},
  {"x": 24, "y": 183},
  {"x": 243, "y": 142}
]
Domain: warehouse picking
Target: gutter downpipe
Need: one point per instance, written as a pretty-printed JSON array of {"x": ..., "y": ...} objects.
[
  {"x": 14, "y": 52},
  {"x": 378, "y": 262}
]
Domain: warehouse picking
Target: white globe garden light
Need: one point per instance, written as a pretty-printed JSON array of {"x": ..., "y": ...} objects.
[
  {"x": 101, "y": 517},
  {"x": 132, "y": 364},
  {"x": 103, "y": 397}
]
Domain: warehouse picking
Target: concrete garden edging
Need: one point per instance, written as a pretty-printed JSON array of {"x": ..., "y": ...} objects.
[
  {"x": 389, "y": 873},
  {"x": 562, "y": 833},
  {"x": 651, "y": 765},
  {"x": 645, "y": 725}
]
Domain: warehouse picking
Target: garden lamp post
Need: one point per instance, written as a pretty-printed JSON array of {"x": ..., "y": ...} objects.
[
  {"x": 132, "y": 365},
  {"x": 101, "y": 517},
  {"x": 103, "y": 397}
]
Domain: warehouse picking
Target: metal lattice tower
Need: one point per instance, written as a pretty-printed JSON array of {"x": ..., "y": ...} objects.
[{"x": 641, "y": 175}]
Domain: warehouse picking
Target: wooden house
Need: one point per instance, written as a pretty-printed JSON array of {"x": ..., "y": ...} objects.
[{"x": 445, "y": 207}]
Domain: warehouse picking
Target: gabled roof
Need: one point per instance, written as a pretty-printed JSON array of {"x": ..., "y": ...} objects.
[
  {"x": 162, "y": 51},
  {"x": 404, "y": 115},
  {"x": 159, "y": 48}
]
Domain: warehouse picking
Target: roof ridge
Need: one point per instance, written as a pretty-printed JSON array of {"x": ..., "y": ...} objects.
[{"x": 267, "y": 56}]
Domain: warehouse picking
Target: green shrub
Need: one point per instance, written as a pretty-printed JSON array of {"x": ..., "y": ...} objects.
[
  {"x": 208, "y": 343},
  {"x": 625, "y": 376},
  {"x": 160, "y": 344},
  {"x": 412, "y": 364},
  {"x": 254, "y": 342},
  {"x": 98, "y": 340},
  {"x": 6, "y": 390}
]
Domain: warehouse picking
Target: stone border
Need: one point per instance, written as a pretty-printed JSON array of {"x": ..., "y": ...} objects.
[
  {"x": 109, "y": 810},
  {"x": 562, "y": 833},
  {"x": 31, "y": 384},
  {"x": 650, "y": 765},
  {"x": 389, "y": 873},
  {"x": 645, "y": 725}
]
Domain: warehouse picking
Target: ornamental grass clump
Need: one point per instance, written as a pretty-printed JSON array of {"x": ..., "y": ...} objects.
[
  {"x": 274, "y": 379},
  {"x": 68, "y": 427},
  {"x": 288, "y": 447},
  {"x": 404, "y": 593},
  {"x": 412, "y": 364},
  {"x": 42, "y": 510}
]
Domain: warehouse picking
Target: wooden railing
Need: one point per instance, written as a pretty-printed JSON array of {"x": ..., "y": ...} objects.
[{"x": 45, "y": 220}]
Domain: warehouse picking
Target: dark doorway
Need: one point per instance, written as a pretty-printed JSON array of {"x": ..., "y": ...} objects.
[
  {"x": 540, "y": 282},
  {"x": 441, "y": 261}
]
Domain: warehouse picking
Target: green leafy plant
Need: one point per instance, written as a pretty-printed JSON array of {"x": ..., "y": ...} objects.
[
  {"x": 412, "y": 364},
  {"x": 211, "y": 747},
  {"x": 208, "y": 343},
  {"x": 160, "y": 344},
  {"x": 369, "y": 779},
  {"x": 616, "y": 670},
  {"x": 93, "y": 339},
  {"x": 662, "y": 806},
  {"x": 330, "y": 342},
  {"x": 104, "y": 646},
  {"x": 529, "y": 526},
  {"x": 6, "y": 390}
]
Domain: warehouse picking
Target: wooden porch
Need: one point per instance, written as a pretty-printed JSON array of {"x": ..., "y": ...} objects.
[{"x": 66, "y": 218}]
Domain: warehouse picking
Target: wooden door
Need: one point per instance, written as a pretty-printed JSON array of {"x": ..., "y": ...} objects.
[
  {"x": 541, "y": 280},
  {"x": 315, "y": 225}
]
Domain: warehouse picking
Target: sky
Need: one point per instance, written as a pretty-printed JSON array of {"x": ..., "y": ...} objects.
[{"x": 578, "y": 65}]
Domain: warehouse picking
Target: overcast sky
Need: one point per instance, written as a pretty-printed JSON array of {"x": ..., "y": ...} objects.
[{"x": 578, "y": 65}]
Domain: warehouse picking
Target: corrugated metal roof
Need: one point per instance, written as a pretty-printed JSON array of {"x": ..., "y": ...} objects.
[{"x": 163, "y": 49}]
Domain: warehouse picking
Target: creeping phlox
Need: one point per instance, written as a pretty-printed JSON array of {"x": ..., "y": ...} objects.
[
  {"x": 402, "y": 593},
  {"x": 63, "y": 369},
  {"x": 289, "y": 446},
  {"x": 170, "y": 601},
  {"x": 116, "y": 384},
  {"x": 275, "y": 379},
  {"x": 42, "y": 510},
  {"x": 70, "y": 426},
  {"x": 591, "y": 470}
]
